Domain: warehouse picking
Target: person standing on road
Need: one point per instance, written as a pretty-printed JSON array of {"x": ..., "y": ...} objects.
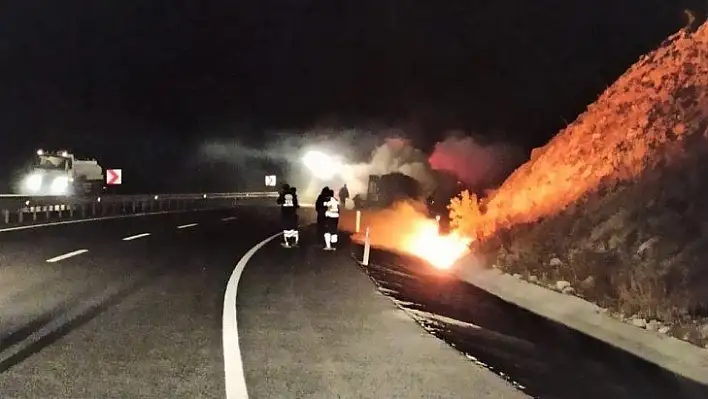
[
  {"x": 321, "y": 208},
  {"x": 295, "y": 221},
  {"x": 343, "y": 196},
  {"x": 331, "y": 222},
  {"x": 288, "y": 211}
]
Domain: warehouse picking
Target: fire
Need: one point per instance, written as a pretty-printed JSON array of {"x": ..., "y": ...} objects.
[
  {"x": 405, "y": 228},
  {"x": 441, "y": 251}
]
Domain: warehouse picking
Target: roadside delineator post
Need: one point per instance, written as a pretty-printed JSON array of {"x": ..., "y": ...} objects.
[
  {"x": 358, "y": 221},
  {"x": 367, "y": 248}
]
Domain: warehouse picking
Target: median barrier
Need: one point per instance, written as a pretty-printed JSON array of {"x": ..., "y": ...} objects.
[{"x": 19, "y": 209}]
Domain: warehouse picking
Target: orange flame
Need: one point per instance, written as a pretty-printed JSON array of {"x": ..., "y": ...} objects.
[
  {"x": 441, "y": 251},
  {"x": 405, "y": 228}
]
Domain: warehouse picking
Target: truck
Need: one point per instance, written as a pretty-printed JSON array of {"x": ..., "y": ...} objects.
[
  {"x": 384, "y": 190},
  {"x": 60, "y": 173}
]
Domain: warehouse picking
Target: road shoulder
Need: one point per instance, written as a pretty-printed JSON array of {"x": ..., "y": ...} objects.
[
  {"x": 667, "y": 352},
  {"x": 311, "y": 324}
]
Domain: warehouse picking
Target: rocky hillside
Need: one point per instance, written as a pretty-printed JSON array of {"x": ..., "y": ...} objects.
[{"x": 619, "y": 198}]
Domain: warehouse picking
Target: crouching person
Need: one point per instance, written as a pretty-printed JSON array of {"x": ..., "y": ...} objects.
[{"x": 331, "y": 221}]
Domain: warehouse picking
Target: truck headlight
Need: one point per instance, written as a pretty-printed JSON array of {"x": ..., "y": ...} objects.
[
  {"x": 33, "y": 182},
  {"x": 59, "y": 185}
]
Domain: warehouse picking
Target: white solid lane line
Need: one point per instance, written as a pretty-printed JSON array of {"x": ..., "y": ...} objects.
[
  {"x": 135, "y": 237},
  {"x": 184, "y": 226},
  {"x": 66, "y": 256},
  {"x": 233, "y": 364},
  {"x": 229, "y": 218}
]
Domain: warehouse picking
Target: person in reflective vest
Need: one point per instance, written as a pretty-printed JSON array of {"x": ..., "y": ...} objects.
[
  {"x": 331, "y": 221},
  {"x": 321, "y": 209},
  {"x": 288, "y": 209}
]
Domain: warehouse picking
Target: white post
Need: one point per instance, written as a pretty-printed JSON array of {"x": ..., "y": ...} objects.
[
  {"x": 367, "y": 248},
  {"x": 358, "y": 221}
]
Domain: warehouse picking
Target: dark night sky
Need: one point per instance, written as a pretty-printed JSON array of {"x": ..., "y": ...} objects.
[{"x": 138, "y": 83}]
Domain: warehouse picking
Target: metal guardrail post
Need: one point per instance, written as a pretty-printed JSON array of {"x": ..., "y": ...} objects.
[{"x": 77, "y": 207}]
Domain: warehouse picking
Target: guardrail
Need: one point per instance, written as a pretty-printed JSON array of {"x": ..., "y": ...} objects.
[{"x": 22, "y": 209}]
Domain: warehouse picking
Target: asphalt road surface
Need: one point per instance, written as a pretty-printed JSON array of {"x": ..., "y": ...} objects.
[
  {"x": 545, "y": 359},
  {"x": 135, "y": 316},
  {"x": 133, "y": 308}
]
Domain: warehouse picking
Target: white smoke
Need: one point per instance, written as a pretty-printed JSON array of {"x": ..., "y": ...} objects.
[
  {"x": 394, "y": 155},
  {"x": 365, "y": 152}
]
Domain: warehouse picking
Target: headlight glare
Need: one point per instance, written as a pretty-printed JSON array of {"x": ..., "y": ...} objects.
[
  {"x": 33, "y": 182},
  {"x": 60, "y": 185}
]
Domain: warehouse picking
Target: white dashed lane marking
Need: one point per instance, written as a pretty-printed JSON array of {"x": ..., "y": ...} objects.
[
  {"x": 229, "y": 218},
  {"x": 135, "y": 237},
  {"x": 185, "y": 226},
  {"x": 67, "y": 256}
]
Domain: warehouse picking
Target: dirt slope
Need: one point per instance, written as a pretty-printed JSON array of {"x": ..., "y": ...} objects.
[{"x": 620, "y": 196}]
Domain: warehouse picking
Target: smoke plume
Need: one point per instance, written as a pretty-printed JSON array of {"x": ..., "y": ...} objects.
[
  {"x": 365, "y": 152},
  {"x": 477, "y": 165},
  {"x": 394, "y": 155}
]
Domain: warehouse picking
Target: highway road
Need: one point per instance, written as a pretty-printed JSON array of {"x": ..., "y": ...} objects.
[
  {"x": 136, "y": 315},
  {"x": 135, "y": 308},
  {"x": 545, "y": 359}
]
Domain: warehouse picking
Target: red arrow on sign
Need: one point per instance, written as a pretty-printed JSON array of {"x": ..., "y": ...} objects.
[{"x": 114, "y": 176}]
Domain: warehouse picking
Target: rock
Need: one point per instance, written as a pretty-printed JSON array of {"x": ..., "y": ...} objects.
[
  {"x": 614, "y": 242},
  {"x": 653, "y": 325},
  {"x": 639, "y": 322},
  {"x": 555, "y": 262},
  {"x": 569, "y": 291},
  {"x": 664, "y": 329},
  {"x": 588, "y": 283},
  {"x": 703, "y": 330},
  {"x": 533, "y": 279},
  {"x": 646, "y": 245},
  {"x": 561, "y": 285},
  {"x": 517, "y": 275}
]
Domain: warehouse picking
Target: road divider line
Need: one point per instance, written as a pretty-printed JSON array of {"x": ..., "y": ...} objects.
[
  {"x": 135, "y": 237},
  {"x": 67, "y": 255},
  {"x": 226, "y": 219},
  {"x": 185, "y": 226},
  {"x": 233, "y": 364}
]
